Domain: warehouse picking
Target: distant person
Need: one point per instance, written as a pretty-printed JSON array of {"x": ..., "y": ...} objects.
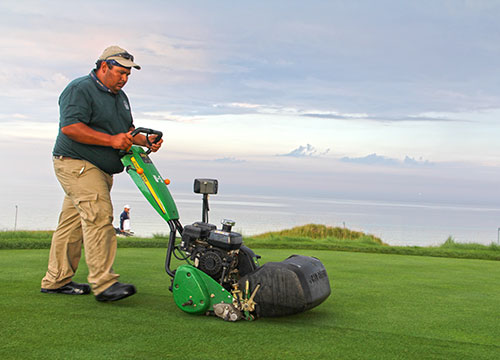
[
  {"x": 95, "y": 124},
  {"x": 125, "y": 227}
]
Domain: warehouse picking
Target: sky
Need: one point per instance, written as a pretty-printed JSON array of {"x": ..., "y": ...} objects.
[{"x": 385, "y": 100}]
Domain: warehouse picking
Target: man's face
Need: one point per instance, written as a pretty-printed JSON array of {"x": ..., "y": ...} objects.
[{"x": 114, "y": 78}]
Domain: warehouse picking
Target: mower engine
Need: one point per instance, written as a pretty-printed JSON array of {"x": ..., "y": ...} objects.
[{"x": 218, "y": 253}]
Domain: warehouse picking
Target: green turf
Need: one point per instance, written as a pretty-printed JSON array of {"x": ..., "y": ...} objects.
[{"x": 381, "y": 307}]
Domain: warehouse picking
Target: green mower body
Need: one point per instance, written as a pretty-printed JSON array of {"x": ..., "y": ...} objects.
[{"x": 195, "y": 292}]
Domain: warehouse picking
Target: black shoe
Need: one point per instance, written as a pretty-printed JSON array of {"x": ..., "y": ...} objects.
[
  {"x": 116, "y": 291},
  {"x": 71, "y": 288}
]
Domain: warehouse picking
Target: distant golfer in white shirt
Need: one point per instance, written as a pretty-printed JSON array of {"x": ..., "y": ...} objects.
[{"x": 125, "y": 220}]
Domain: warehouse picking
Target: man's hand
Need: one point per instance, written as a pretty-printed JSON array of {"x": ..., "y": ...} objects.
[
  {"x": 154, "y": 147},
  {"x": 140, "y": 139},
  {"x": 122, "y": 141}
]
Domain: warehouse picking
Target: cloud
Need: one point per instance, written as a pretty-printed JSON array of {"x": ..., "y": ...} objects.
[
  {"x": 335, "y": 115},
  {"x": 231, "y": 160},
  {"x": 179, "y": 54},
  {"x": 247, "y": 107},
  {"x": 412, "y": 162},
  {"x": 55, "y": 82},
  {"x": 254, "y": 108},
  {"x": 374, "y": 159},
  {"x": 305, "y": 151},
  {"x": 165, "y": 116},
  {"x": 15, "y": 116},
  {"x": 382, "y": 118}
]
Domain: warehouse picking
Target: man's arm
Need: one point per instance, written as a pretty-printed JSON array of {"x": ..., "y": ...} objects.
[{"x": 86, "y": 135}]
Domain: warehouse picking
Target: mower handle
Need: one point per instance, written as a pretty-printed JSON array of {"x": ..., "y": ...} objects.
[{"x": 148, "y": 132}]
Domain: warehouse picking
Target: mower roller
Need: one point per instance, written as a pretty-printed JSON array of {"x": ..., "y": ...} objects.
[{"x": 222, "y": 276}]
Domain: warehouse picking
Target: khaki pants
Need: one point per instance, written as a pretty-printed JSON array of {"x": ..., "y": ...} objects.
[{"x": 86, "y": 216}]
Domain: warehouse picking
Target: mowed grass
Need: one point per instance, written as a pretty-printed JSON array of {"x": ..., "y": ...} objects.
[{"x": 381, "y": 307}]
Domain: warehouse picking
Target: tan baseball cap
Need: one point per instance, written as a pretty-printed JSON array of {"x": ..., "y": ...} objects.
[{"x": 120, "y": 55}]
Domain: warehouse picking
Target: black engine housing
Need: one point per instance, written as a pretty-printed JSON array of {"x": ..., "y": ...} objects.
[{"x": 218, "y": 253}]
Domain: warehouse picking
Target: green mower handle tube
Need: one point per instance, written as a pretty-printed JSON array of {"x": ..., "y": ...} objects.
[
  {"x": 149, "y": 181},
  {"x": 175, "y": 226}
]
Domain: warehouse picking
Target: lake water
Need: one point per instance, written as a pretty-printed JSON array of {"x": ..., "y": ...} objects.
[{"x": 396, "y": 223}]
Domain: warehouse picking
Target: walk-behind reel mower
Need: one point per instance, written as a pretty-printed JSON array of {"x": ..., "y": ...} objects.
[{"x": 222, "y": 276}]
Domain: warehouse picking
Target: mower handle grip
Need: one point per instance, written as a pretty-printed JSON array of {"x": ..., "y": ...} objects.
[{"x": 148, "y": 132}]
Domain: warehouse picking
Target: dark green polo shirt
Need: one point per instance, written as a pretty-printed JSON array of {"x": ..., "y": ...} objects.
[{"x": 87, "y": 100}]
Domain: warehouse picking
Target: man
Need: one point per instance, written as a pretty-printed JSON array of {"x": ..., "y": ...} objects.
[
  {"x": 95, "y": 124},
  {"x": 125, "y": 227}
]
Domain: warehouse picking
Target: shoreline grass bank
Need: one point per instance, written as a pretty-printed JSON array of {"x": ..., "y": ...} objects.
[{"x": 306, "y": 237}]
